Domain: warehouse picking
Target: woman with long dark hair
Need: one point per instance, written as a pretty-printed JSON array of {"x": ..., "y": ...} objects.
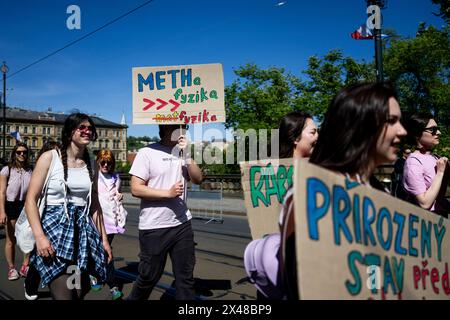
[
  {"x": 361, "y": 130},
  {"x": 70, "y": 236},
  {"x": 297, "y": 135},
  {"x": 31, "y": 285},
  {"x": 14, "y": 181},
  {"x": 424, "y": 172}
]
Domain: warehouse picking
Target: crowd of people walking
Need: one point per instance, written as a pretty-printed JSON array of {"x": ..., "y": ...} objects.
[{"x": 75, "y": 210}]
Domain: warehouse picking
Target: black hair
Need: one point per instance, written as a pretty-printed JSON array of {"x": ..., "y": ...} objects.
[
  {"x": 290, "y": 129},
  {"x": 48, "y": 145},
  {"x": 164, "y": 128},
  {"x": 70, "y": 125},
  {"x": 351, "y": 127},
  {"x": 415, "y": 125}
]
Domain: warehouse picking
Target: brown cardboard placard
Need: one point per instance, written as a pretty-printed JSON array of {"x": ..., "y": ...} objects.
[
  {"x": 265, "y": 182},
  {"x": 355, "y": 242}
]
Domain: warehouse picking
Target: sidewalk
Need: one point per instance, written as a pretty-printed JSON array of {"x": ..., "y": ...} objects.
[{"x": 231, "y": 206}]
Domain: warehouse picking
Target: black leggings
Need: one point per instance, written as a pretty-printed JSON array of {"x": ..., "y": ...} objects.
[{"x": 67, "y": 287}]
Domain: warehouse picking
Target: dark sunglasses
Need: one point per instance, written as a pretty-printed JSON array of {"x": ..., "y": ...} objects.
[
  {"x": 432, "y": 130},
  {"x": 20, "y": 153},
  {"x": 105, "y": 163},
  {"x": 85, "y": 128}
]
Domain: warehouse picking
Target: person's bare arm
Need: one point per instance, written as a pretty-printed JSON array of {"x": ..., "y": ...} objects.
[
  {"x": 97, "y": 216},
  {"x": 195, "y": 173},
  {"x": 43, "y": 244},
  {"x": 427, "y": 199},
  {"x": 139, "y": 189},
  {"x": 3, "y": 182}
]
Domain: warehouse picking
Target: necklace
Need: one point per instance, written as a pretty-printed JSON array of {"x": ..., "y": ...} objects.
[{"x": 75, "y": 163}]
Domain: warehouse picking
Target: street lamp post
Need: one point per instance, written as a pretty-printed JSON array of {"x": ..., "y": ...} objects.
[
  {"x": 4, "y": 70},
  {"x": 382, "y": 4}
]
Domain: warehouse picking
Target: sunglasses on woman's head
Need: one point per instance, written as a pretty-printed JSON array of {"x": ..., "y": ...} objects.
[
  {"x": 433, "y": 130},
  {"x": 85, "y": 128},
  {"x": 21, "y": 153}
]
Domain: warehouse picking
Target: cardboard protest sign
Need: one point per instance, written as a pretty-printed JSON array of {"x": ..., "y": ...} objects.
[
  {"x": 187, "y": 94},
  {"x": 265, "y": 182},
  {"x": 355, "y": 242}
]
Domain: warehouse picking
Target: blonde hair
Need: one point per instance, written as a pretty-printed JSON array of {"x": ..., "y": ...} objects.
[{"x": 106, "y": 155}]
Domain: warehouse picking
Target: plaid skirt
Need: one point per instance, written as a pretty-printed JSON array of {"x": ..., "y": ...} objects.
[{"x": 76, "y": 242}]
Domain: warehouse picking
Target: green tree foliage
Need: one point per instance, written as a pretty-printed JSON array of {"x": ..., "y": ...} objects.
[
  {"x": 419, "y": 67},
  {"x": 325, "y": 77},
  {"x": 443, "y": 149},
  {"x": 135, "y": 143},
  {"x": 259, "y": 98},
  {"x": 444, "y": 9}
]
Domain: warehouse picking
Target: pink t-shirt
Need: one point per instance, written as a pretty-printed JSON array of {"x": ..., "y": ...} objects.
[
  {"x": 418, "y": 175},
  {"x": 17, "y": 183},
  {"x": 159, "y": 167}
]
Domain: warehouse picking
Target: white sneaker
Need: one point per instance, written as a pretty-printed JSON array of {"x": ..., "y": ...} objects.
[
  {"x": 29, "y": 297},
  {"x": 13, "y": 274}
]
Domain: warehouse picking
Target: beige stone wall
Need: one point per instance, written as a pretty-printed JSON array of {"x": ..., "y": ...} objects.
[{"x": 34, "y": 135}]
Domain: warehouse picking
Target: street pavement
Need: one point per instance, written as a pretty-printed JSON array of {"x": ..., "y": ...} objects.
[
  {"x": 219, "y": 256},
  {"x": 203, "y": 201}
]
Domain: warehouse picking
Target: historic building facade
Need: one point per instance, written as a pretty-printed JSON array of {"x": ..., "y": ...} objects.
[{"x": 37, "y": 127}]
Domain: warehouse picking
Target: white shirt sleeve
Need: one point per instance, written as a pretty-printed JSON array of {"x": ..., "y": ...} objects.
[{"x": 141, "y": 165}]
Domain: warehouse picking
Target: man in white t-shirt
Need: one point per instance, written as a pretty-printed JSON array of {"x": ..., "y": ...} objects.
[{"x": 158, "y": 176}]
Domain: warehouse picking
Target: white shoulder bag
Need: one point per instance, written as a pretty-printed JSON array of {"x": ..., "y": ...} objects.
[{"x": 24, "y": 233}]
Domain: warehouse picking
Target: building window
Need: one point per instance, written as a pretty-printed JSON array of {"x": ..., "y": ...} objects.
[
  {"x": 17, "y": 128},
  {"x": 33, "y": 130},
  {"x": 25, "y": 130},
  {"x": 8, "y": 128},
  {"x": 8, "y": 142},
  {"x": 33, "y": 144}
]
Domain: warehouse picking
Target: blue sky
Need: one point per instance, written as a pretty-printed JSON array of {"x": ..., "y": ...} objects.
[{"x": 94, "y": 75}]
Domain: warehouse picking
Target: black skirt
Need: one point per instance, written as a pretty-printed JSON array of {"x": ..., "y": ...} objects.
[{"x": 13, "y": 209}]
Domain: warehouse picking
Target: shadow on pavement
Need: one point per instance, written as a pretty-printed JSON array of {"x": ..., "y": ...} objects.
[{"x": 203, "y": 287}]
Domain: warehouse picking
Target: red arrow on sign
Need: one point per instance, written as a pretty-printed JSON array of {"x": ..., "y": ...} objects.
[
  {"x": 149, "y": 105},
  {"x": 176, "y": 104},
  {"x": 162, "y": 105}
]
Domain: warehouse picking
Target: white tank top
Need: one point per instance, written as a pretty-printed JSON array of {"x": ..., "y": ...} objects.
[{"x": 78, "y": 182}]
